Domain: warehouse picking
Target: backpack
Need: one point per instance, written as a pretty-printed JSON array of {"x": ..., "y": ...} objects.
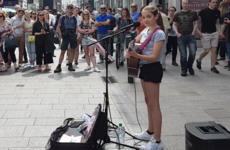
[{"x": 63, "y": 20}]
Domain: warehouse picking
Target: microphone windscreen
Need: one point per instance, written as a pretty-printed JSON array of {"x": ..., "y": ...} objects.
[{"x": 136, "y": 24}]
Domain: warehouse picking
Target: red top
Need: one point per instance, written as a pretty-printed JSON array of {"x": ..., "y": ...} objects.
[{"x": 142, "y": 26}]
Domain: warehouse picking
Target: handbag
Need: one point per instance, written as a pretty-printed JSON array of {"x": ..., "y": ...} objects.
[
  {"x": 56, "y": 39},
  {"x": 11, "y": 42},
  {"x": 31, "y": 38},
  {"x": 49, "y": 45}
]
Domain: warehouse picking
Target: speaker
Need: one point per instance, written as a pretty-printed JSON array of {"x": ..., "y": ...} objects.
[{"x": 206, "y": 136}]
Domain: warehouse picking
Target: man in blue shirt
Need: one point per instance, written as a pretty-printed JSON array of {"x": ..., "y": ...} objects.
[
  {"x": 103, "y": 25},
  {"x": 135, "y": 15}
]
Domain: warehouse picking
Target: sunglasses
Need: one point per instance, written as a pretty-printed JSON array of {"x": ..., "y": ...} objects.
[
  {"x": 41, "y": 15},
  {"x": 33, "y": 13},
  {"x": 133, "y": 6},
  {"x": 21, "y": 11},
  {"x": 46, "y": 9},
  {"x": 70, "y": 7},
  {"x": 103, "y": 8}
]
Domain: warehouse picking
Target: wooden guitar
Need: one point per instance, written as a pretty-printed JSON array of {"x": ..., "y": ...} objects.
[{"x": 133, "y": 63}]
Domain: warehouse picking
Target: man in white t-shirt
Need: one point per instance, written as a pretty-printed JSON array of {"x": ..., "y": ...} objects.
[{"x": 79, "y": 20}]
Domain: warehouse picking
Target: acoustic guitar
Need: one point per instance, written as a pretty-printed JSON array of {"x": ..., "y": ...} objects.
[{"x": 133, "y": 63}]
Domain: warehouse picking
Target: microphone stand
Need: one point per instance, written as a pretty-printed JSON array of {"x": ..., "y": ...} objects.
[{"x": 106, "y": 94}]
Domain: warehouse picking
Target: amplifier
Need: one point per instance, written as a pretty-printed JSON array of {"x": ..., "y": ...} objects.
[{"x": 206, "y": 136}]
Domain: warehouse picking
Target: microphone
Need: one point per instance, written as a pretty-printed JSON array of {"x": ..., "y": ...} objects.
[{"x": 134, "y": 24}]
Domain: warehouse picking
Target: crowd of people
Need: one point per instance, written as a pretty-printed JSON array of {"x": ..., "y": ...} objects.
[{"x": 75, "y": 28}]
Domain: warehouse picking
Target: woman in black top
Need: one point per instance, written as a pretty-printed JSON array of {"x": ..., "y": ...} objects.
[{"x": 40, "y": 29}]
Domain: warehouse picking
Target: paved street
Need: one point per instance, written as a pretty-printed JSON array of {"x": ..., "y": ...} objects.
[{"x": 33, "y": 104}]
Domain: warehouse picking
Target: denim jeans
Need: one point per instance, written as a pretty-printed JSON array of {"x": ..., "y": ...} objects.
[
  {"x": 30, "y": 46},
  {"x": 183, "y": 42},
  {"x": 103, "y": 43},
  {"x": 228, "y": 51}
]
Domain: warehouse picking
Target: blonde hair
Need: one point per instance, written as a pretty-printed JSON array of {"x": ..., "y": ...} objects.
[
  {"x": 3, "y": 13},
  {"x": 154, "y": 10},
  {"x": 45, "y": 11},
  {"x": 89, "y": 15},
  {"x": 223, "y": 8}
]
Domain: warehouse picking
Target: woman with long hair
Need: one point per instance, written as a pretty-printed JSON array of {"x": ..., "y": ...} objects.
[
  {"x": 33, "y": 15},
  {"x": 142, "y": 26},
  {"x": 151, "y": 73},
  {"x": 40, "y": 29},
  {"x": 172, "y": 37},
  {"x": 87, "y": 28},
  {"x": 30, "y": 46},
  {"x": 124, "y": 20},
  {"x": 6, "y": 31}
]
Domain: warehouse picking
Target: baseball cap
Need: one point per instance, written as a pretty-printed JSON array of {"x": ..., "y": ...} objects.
[{"x": 88, "y": 6}]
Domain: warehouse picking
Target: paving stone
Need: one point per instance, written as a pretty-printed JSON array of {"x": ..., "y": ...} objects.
[
  {"x": 11, "y": 131},
  {"x": 8, "y": 101},
  {"x": 20, "y": 122},
  {"x": 38, "y": 142},
  {"x": 39, "y": 107},
  {"x": 76, "y": 100},
  {"x": 17, "y": 114},
  {"x": 68, "y": 107},
  {"x": 30, "y": 101},
  {"x": 14, "y": 142},
  {"x": 50, "y": 101},
  {"x": 218, "y": 113},
  {"x": 47, "y": 114},
  {"x": 49, "y": 121}
]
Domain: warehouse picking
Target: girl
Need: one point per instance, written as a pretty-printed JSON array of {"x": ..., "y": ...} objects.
[
  {"x": 40, "y": 29},
  {"x": 30, "y": 46},
  {"x": 151, "y": 73},
  {"x": 87, "y": 28},
  {"x": 124, "y": 20}
]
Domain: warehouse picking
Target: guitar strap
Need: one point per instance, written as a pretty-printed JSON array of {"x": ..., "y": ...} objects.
[{"x": 139, "y": 50}]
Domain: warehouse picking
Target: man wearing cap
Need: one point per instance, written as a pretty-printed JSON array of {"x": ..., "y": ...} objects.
[
  {"x": 103, "y": 25},
  {"x": 17, "y": 23},
  {"x": 67, "y": 29}
]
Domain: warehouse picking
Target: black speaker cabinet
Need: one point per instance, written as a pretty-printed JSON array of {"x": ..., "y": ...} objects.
[{"x": 206, "y": 136}]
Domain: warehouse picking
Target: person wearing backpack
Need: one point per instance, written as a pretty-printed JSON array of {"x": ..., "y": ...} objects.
[
  {"x": 124, "y": 20},
  {"x": 67, "y": 29}
]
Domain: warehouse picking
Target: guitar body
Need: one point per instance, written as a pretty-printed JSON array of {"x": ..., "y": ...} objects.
[{"x": 133, "y": 67}]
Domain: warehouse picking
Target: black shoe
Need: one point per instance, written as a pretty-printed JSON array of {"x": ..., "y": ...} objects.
[
  {"x": 184, "y": 73},
  {"x": 58, "y": 69},
  {"x": 174, "y": 63},
  {"x": 191, "y": 71},
  {"x": 121, "y": 63},
  {"x": 25, "y": 61},
  {"x": 227, "y": 67},
  {"x": 215, "y": 70},
  {"x": 198, "y": 64},
  {"x": 54, "y": 55},
  {"x": 83, "y": 56},
  {"x": 70, "y": 68}
]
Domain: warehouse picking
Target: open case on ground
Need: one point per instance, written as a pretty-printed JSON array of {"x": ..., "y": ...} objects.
[{"x": 76, "y": 135}]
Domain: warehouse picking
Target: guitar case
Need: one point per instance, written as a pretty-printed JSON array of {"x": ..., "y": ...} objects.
[{"x": 93, "y": 140}]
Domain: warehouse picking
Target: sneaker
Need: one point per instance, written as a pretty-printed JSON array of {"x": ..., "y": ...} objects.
[
  {"x": 121, "y": 63},
  {"x": 70, "y": 68},
  {"x": 215, "y": 70},
  {"x": 143, "y": 136},
  {"x": 31, "y": 66},
  {"x": 174, "y": 63},
  {"x": 87, "y": 68},
  {"x": 83, "y": 56},
  {"x": 198, "y": 64},
  {"x": 191, "y": 71},
  {"x": 58, "y": 69},
  {"x": 184, "y": 73},
  {"x": 227, "y": 67},
  {"x": 152, "y": 145},
  {"x": 96, "y": 69}
]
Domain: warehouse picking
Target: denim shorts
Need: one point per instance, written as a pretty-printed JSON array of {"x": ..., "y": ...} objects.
[
  {"x": 86, "y": 42},
  {"x": 70, "y": 40},
  {"x": 152, "y": 72}
]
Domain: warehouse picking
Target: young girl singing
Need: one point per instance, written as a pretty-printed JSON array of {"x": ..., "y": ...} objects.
[{"x": 151, "y": 73}]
